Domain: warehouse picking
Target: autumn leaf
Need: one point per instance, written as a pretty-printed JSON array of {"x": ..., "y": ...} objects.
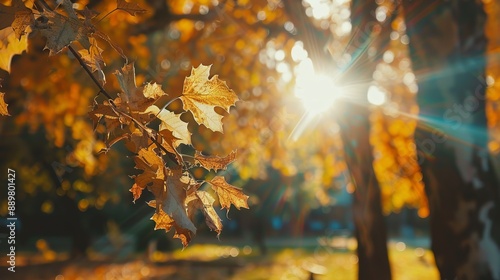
[
  {"x": 3, "y": 105},
  {"x": 131, "y": 8},
  {"x": 172, "y": 122},
  {"x": 175, "y": 202},
  {"x": 93, "y": 58},
  {"x": 61, "y": 30},
  {"x": 10, "y": 46},
  {"x": 214, "y": 162},
  {"x": 136, "y": 191},
  {"x": 139, "y": 99},
  {"x": 204, "y": 201},
  {"x": 201, "y": 95},
  {"x": 153, "y": 176},
  {"x": 162, "y": 220},
  {"x": 17, "y": 16},
  {"x": 228, "y": 194}
]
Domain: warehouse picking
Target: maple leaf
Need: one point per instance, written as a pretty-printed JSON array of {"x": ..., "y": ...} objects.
[
  {"x": 172, "y": 122},
  {"x": 93, "y": 58},
  {"x": 228, "y": 194},
  {"x": 214, "y": 162},
  {"x": 17, "y": 16},
  {"x": 164, "y": 221},
  {"x": 61, "y": 30},
  {"x": 131, "y": 8},
  {"x": 10, "y": 46},
  {"x": 3, "y": 105},
  {"x": 201, "y": 95},
  {"x": 204, "y": 201},
  {"x": 139, "y": 99},
  {"x": 175, "y": 203},
  {"x": 167, "y": 141},
  {"x": 153, "y": 176}
]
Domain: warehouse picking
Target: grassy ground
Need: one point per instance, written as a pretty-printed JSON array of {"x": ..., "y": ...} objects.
[{"x": 207, "y": 261}]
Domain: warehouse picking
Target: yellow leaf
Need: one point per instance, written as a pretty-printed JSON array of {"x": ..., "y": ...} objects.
[
  {"x": 201, "y": 95},
  {"x": 10, "y": 46},
  {"x": 228, "y": 194},
  {"x": 173, "y": 123},
  {"x": 3, "y": 105}
]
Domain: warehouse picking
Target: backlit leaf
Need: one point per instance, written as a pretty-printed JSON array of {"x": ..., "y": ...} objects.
[
  {"x": 201, "y": 95},
  {"x": 172, "y": 122},
  {"x": 214, "y": 162},
  {"x": 131, "y": 8},
  {"x": 204, "y": 201},
  {"x": 10, "y": 46},
  {"x": 228, "y": 194},
  {"x": 3, "y": 105}
]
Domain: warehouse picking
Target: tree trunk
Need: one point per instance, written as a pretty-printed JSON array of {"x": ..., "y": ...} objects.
[
  {"x": 447, "y": 48},
  {"x": 371, "y": 231},
  {"x": 369, "y": 221}
]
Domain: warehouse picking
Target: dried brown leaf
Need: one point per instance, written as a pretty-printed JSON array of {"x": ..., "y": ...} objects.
[
  {"x": 131, "y": 8},
  {"x": 138, "y": 99},
  {"x": 62, "y": 30},
  {"x": 214, "y": 162},
  {"x": 204, "y": 201}
]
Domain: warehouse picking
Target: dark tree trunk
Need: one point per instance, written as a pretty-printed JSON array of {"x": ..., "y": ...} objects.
[
  {"x": 447, "y": 48},
  {"x": 371, "y": 231}
]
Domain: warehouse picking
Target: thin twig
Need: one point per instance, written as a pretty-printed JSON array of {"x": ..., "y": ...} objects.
[{"x": 82, "y": 63}]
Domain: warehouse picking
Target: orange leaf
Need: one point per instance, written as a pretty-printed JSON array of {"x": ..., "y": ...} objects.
[
  {"x": 214, "y": 162},
  {"x": 136, "y": 191},
  {"x": 131, "y": 8},
  {"x": 3, "y": 105},
  {"x": 228, "y": 194}
]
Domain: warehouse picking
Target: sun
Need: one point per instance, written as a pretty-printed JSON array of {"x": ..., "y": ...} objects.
[{"x": 316, "y": 92}]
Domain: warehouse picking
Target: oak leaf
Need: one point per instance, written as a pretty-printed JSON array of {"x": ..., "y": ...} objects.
[
  {"x": 201, "y": 95},
  {"x": 204, "y": 201},
  {"x": 228, "y": 194},
  {"x": 214, "y": 162},
  {"x": 131, "y": 8},
  {"x": 3, "y": 105}
]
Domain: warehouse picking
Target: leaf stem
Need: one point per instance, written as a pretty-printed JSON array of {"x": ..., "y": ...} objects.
[{"x": 115, "y": 9}]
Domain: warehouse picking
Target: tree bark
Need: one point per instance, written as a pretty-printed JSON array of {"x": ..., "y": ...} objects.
[{"x": 447, "y": 48}]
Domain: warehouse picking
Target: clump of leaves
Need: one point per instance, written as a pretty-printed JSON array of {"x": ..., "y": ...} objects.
[{"x": 164, "y": 171}]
